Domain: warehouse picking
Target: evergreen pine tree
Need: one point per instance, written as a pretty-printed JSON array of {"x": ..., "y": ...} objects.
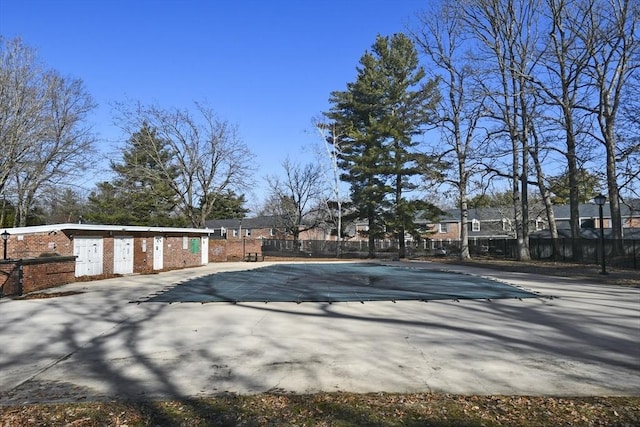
[
  {"x": 137, "y": 195},
  {"x": 229, "y": 205},
  {"x": 382, "y": 112}
]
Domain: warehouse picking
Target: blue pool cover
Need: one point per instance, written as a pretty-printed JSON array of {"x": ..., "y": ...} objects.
[{"x": 337, "y": 282}]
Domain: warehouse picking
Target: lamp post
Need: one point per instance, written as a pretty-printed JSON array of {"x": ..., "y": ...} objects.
[
  {"x": 5, "y": 236},
  {"x": 600, "y": 200}
]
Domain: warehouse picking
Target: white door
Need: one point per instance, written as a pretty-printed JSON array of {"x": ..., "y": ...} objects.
[
  {"x": 88, "y": 252},
  {"x": 158, "y": 253},
  {"x": 123, "y": 255},
  {"x": 204, "y": 247}
]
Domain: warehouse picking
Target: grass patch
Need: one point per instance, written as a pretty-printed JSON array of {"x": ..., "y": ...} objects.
[{"x": 336, "y": 409}]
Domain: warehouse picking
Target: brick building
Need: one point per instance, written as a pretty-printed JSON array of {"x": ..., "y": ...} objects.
[
  {"x": 112, "y": 249},
  {"x": 45, "y": 256}
]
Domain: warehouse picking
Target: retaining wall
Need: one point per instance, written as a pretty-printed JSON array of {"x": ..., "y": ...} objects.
[{"x": 22, "y": 276}]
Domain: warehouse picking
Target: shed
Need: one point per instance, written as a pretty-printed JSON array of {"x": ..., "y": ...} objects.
[{"x": 112, "y": 249}]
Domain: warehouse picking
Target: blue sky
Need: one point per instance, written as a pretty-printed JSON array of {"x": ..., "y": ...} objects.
[{"x": 266, "y": 65}]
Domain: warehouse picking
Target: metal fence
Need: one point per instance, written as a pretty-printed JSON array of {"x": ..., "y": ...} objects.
[
  {"x": 330, "y": 249},
  {"x": 625, "y": 254},
  {"x": 588, "y": 250}
]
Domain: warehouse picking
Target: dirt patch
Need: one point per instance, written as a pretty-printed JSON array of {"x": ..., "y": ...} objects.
[
  {"x": 337, "y": 409},
  {"x": 619, "y": 277},
  {"x": 44, "y": 295}
]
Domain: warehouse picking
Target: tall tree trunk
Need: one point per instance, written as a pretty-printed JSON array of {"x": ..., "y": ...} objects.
[
  {"x": 464, "y": 210},
  {"x": 464, "y": 230},
  {"x": 610, "y": 35},
  {"x": 546, "y": 194},
  {"x": 614, "y": 198},
  {"x": 525, "y": 112},
  {"x": 339, "y": 236},
  {"x": 372, "y": 238},
  {"x": 574, "y": 197},
  {"x": 517, "y": 201},
  {"x": 400, "y": 231}
]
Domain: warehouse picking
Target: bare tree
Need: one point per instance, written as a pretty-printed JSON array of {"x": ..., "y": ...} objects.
[
  {"x": 562, "y": 89},
  {"x": 543, "y": 64},
  {"x": 295, "y": 198},
  {"x": 63, "y": 205},
  {"x": 207, "y": 155},
  {"x": 628, "y": 156},
  {"x": 66, "y": 147},
  {"x": 537, "y": 146},
  {"x": 443, "y": 38},
  {"x": 586, "y": 62},
  {"x": 22, "y": 99},
  {"x": 609, "y": 34},
  {"x": 45, "y": 139},
  {"x": 506, "y": 30},
  {"x": 331, "y": 137}
]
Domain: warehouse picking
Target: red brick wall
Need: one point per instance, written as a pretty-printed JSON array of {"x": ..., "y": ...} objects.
[
  {"x": 452, "y": 233},
  {"x": 44, "y": 273},
  {"x": 143, "y": 254},
  {"x": 34, "y": 245},
  {"x": 107, "y": 255},
  {"x": 37, "y": 274},
  {"x": 233, "y": 250},
  {"x": 176, "y": 255},
  {"x": 236, "y": 250},
  {"x": 217, "y": 250}
]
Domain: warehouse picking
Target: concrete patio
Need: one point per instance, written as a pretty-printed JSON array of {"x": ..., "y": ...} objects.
[{"x": 579, "y": 339}]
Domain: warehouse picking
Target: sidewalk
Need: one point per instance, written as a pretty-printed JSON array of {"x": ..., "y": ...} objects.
[{"x": 98, "y": 345}]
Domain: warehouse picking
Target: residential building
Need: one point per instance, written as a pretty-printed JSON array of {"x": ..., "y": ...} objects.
[{"x": 260, "y": 227}]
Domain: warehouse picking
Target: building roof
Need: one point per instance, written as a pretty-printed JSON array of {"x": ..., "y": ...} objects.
[
  {"x": 97, "y": 227},
  {"x": 251, "y": 223},
  {"x": 588, "y": 233},
  {"x": 591, "y": 210},
  {"x": 587, "y": 210}
]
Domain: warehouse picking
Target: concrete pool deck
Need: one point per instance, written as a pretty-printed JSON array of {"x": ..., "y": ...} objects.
[{"x": 98, "y": 345}]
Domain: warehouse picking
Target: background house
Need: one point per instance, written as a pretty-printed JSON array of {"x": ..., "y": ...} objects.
[
  {"x": 490, "y": 230},
  {"x": 590, "y": 216},
  {"x": 497, "y": 223},
  {"x": 260, "y": 227}
]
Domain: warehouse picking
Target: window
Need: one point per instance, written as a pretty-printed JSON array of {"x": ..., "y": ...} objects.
[
  {"x": 185, "y": 242},
  {"x": 587, "y": 223},
  {"x": 247, "y": 232},
  {"x": 443, "y": 227},
  {"x": 506, "y": 224},
  {"x": 235, "y": 232},
  {"x": 475, "y": 225},
  {"x": 272, "y": 232}
]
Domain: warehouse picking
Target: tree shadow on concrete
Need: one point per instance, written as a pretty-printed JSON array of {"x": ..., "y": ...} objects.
[
  {"x": 81, "y": 342},
  {"x": 63, "y": 349}
]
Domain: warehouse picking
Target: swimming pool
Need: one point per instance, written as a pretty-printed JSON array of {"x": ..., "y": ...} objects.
[{"x": 337, "y": 282}]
